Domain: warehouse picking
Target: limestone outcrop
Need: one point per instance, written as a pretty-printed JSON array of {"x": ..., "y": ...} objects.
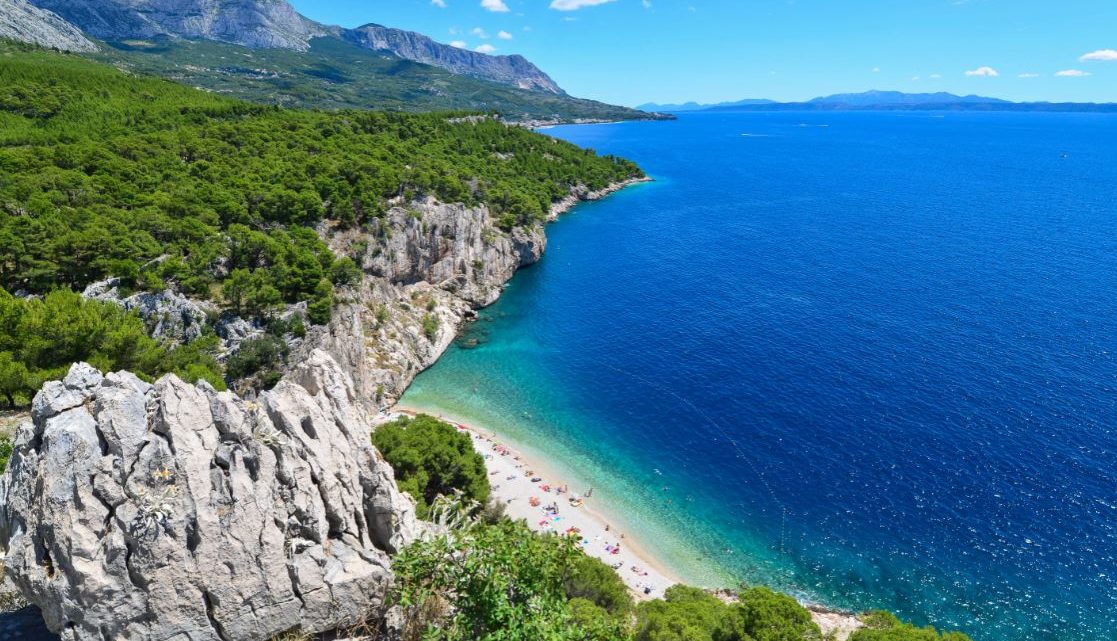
[
  {"x": 22, "y": 21},
  {"x": 173, "y": 511},
  {"x": 168, "y": 315},
  {"x": 510, "y": 70},
  {"x": 428, "y": 265},
  {"x": 252, "y": 23}
]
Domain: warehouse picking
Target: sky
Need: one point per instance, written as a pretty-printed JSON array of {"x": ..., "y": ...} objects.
[{"x": 635, "y": 51}]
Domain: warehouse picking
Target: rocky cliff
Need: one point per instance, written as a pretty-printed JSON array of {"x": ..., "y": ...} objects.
[
  {"x": 509, "y": 70},
  {"x": 171, "y": 511},
  {"x": 427, "y": 266},
  {"x": 252, "y": 23},
  {"x": 21, "y": 21}
]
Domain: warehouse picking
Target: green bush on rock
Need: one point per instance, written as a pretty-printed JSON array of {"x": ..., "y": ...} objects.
[
  {"x": 432, "y": 458},
  {"x": 498, "y": 582},
  {"x": 5, "y": 453}
]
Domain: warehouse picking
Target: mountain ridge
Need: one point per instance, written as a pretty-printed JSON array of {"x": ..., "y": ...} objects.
[
  {"x": 513, "y": 70},
  {"x": 275, "y": 24},
  {"x": 695, "y": 106},
  {"x": 876, "y": 100}
]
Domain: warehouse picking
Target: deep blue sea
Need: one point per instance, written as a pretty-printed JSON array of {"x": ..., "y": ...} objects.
[{"x": 870, "y": 358}]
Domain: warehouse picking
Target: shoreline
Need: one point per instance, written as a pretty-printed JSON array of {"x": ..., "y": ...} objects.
[
  {"x": 583, "y": 195},
  {"x": 504, "y": 459},
  {"x": 835, "y": 623}
]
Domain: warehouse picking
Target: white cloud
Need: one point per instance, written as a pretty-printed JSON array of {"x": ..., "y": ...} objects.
[
  {"x": 504, "y": 35},
  {"x": 1028, "y": 75},
  {"x": 1101, "y": 55},
  {"x": 647, "y": 3},
  {"x": 480, "y": 33},
  {"x": 460, "y": 44},
  {"x": 485, "y": 48},
  {"x": 574, "y": 5},
  {"x": 495, "y": 5},
  {"x": 935, "y": 76},
  {"x": 876, "y": 69},
  {"x": 1072, "y": 73},
  {"x": 441, "y": 4},
  {"x": 987, "y": 72}
]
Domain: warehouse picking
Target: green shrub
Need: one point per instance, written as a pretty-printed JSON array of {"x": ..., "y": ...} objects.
[
  {"x": 430, "y": 327},
  {"x": 320, "y": 307},
  {"x": 431, "y": 458},
  {"x": 690, "y": 614},
  {"x": 502, "y": 583},
  {"x": 256, "y": 355},
  {"x": 684, "y": 614},
  {"x": 592, "y": 580},
  {"x": 764, "y": 615},
  {"x": 884, "y": 626},
  {"x": 5, "y": 453}
]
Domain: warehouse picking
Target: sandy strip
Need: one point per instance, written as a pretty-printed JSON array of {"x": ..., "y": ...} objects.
[{"x": 512, "y": 486}]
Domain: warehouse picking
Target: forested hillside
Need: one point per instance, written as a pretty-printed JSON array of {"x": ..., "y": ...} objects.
[
  {"x": 106, "y": 174},
  {"x": 334, "y": 74}
]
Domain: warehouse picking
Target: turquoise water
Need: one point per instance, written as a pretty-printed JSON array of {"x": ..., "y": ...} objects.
[{"x": 867, "y": 358}]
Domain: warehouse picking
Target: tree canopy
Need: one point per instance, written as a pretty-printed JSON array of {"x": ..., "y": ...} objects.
[
  {"x": 884, "y": 626},
  {"x": 105, "y": 174},
  {"x": 431, "y": 458}
]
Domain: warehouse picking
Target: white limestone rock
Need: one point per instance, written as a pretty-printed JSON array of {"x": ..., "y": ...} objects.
[
  {"x": 168, "y": 315},
  {"x": 20, "y": 20},
  {"x": 172, "y": 511}
]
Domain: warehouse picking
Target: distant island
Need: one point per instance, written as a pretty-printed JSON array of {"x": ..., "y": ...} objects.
[{"x": 888, "y": 101}]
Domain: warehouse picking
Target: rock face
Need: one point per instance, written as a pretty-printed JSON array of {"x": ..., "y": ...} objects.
[
  {"x": 21, "y": 21},
  {"x": 509, "y": 70},
  {"x": 168, "y": 315},
  {"x": 453, "y": 247},
  {"x": 427, "y": 266},
  {"x": 172, "y": 511},
  {"x": 252, "y": 23}
]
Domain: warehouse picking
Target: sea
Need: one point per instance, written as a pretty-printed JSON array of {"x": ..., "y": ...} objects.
[{"x": 866, "y": 358}]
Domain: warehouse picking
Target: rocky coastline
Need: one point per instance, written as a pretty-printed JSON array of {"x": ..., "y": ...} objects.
[
  {"x": 428, "y": 268},
  {"x": 176, "y": 469},
  {"x": 151, "y": 504}
]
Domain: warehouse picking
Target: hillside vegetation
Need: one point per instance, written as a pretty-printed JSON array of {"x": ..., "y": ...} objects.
[
  {"x": 488, "y": 578},
  {"x": 334, "y": 74},
  {"x": 108, "y": 174},
  {"x": 490, "y": 581}
]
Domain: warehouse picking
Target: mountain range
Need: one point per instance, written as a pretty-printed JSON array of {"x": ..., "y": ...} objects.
[
  {"x": 264, "y": 50},
  {"x": 887, "y": 101},
  {"x": 694, "y": 106}
]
